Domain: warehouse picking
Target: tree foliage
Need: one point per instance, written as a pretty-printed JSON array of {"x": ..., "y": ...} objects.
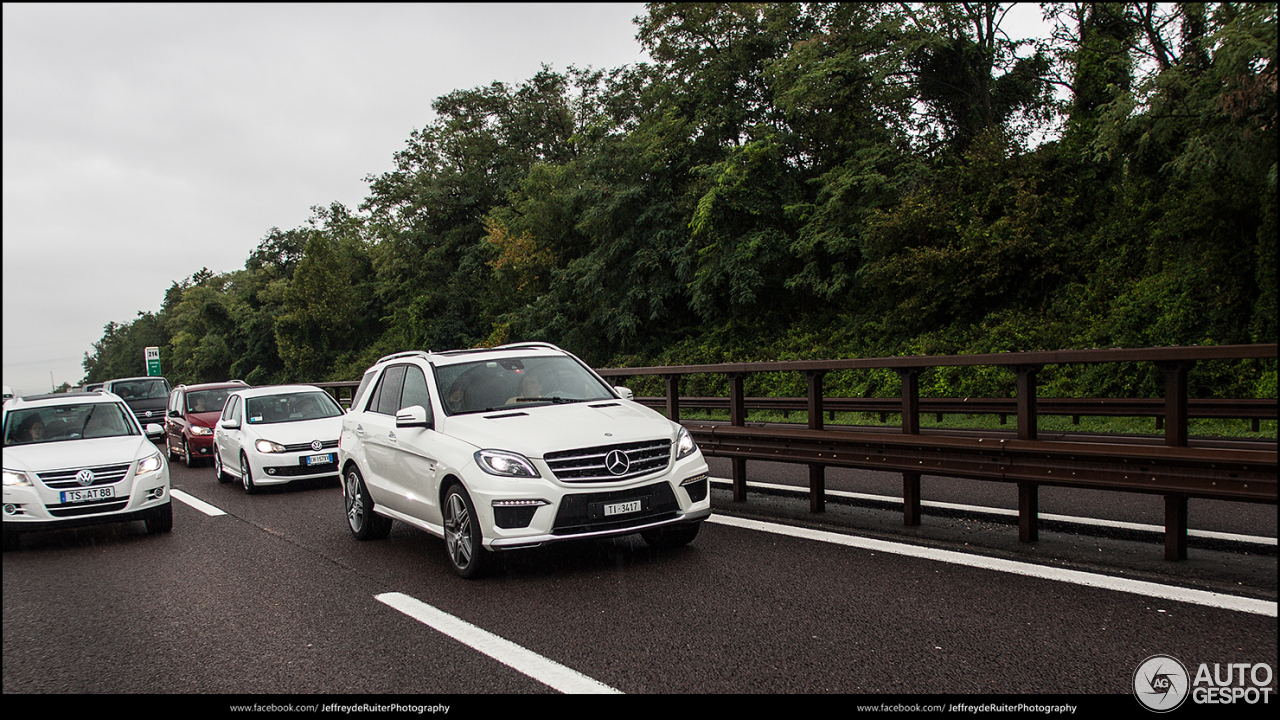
[{"x": 796, "y": 181}]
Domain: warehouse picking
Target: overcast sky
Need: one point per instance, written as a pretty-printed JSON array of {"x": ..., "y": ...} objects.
[{"x": 144, "y": 142}]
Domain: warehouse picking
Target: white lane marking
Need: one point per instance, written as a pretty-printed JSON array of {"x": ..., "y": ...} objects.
[
  {"x": 196, "y": 503},
  {"x": 1076, "y": 577},
  {"x": 800, "y": 489},
  {"x": 545, "y": 671}
]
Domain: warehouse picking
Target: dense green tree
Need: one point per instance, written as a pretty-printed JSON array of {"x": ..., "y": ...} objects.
[{"x": 796, "y": 181}]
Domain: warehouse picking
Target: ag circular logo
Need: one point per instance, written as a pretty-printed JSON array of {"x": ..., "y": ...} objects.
[{"x": 1161, "y": 683}]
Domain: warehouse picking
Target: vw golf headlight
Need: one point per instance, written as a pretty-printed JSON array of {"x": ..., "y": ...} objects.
[
  {"x": 505, "y": 464},
  {"x": 201, "y": 430},
  {"x": 266, "y": 446}
]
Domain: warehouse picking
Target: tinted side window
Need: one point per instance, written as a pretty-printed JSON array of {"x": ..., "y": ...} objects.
[
  {"x": 387, "y": 399},
  {"x": 364, "y": 384},
  {"x": 415, "y": 390}
]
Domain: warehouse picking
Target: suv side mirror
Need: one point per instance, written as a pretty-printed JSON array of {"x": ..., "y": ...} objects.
[
  {"x": 230, "y": 424},
  {"x": 624, "y": 393},
  {"x": 155, "y": 431},
  {"x": 414, "y": 416}
]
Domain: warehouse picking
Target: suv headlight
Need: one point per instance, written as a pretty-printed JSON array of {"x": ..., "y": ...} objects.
[
  {"x": 16, "y": 478},
  {"x": 201, "y": 430},
  {"x": 685, "y": 446},
  {"x": 266, "y": 446},
  {"x": 505, "y": 464},
  {"x": 151, "y": 463}
]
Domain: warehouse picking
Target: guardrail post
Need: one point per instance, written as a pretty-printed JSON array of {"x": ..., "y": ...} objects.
[
  {"x": 1175, "y": 435},
  {"x": 1028, "y": 493},
  {"x": 673, "y": 397},
  {"x": 738, "y": 417},
  {"x": 817, "y": 473},
  {"x": 910, "y": 400},
  {"x": 910, "y": 426},
  {"x": 1175, "y": 527},
  {"x": 1027, "y": 419},
  {"x": 1175, "y": 401}
]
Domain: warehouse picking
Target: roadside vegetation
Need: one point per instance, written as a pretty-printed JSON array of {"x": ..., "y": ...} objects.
[{"x": 799, "y": 181}]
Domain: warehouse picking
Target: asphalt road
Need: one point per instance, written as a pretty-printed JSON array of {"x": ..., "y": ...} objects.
[{"x": 275, "y": 596}]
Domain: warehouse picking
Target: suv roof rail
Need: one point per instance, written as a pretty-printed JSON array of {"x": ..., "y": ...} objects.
[
  {"x": 514, "y": 346},
  {"x": 406, "y": 353}
]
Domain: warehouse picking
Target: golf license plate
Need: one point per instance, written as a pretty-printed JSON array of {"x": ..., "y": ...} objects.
[
  {"x": 325, "y": 459},
  {"x": 86, "y": 495}
]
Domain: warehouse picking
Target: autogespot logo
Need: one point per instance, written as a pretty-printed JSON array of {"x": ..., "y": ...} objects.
[{"x": 1161, "y": 683}]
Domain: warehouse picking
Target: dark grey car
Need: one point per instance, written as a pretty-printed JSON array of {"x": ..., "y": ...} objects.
[{"x": 145, "y": 396}]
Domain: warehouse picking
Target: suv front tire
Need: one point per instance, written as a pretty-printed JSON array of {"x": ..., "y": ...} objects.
[{"x": 462, "y": 536}]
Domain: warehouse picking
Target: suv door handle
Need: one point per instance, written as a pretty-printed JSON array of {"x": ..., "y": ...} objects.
[
  {"x": 359, "y": 430},
  {"x": 391, "y": 436}
]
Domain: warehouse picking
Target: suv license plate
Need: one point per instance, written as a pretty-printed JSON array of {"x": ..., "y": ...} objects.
[
  {"x": 325, "y": 459},
  {"x": 79, "y": 496},
  {"x": 623, "y": 508}
]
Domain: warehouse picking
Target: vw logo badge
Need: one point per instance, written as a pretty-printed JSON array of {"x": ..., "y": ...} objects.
[
  {"x": 316, "y": 445},
  {"x": 148, "y": 413},
  {"x": 85, "y": 477},
  {"x": 616, "y": 462}
]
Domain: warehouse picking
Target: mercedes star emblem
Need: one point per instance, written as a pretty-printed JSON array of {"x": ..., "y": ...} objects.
[{"x": 616, "y": 462}]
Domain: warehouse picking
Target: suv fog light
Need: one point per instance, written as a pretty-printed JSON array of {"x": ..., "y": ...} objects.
[
  {"x": 515, "y": 514},
  {"x": 696, "y": 486},
  {"x": 10, "y": 509}
]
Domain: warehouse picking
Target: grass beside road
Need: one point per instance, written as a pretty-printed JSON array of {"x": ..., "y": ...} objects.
[{"x": 1210, "y": 428}]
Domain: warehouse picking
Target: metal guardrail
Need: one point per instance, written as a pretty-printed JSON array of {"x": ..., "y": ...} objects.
[
  {"x": 1173, "y": 470},
  {"x": 1075, "y": 408}
]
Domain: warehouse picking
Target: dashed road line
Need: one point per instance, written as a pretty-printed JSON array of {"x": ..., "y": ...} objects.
[
  {"x": 196, "y": 503},
  {"x": 548, "y": 672}
]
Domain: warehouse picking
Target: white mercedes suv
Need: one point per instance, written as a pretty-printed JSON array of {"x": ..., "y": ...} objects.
[
  {"x": 513, "y": 447},
  {"x": 77, "y": 459}
]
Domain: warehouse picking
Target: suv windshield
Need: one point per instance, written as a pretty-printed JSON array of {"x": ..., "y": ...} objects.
[
  {"x": 290, "y": 407},
  {"x": 517, "y": 382},
  {"x": 66, "y": 422},
  {"x": 141, "y": 389}
]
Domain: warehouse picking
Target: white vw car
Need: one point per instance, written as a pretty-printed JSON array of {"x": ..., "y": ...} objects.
[
  {"x": 513, "y": 447},
  {"x": 277, "y": 434},
  {"x": 74, "y": 459}
]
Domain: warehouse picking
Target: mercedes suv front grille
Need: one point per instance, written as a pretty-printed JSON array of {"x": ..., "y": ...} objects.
[{"x": 610, "y": 463}]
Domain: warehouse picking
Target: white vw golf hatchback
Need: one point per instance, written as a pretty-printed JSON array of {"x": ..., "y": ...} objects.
[{"x": 513, "y": 447}]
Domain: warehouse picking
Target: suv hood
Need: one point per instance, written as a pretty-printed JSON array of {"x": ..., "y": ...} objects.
[
  {"x": 77, "y": 453},
  {"x": 534, "y": 430}
]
